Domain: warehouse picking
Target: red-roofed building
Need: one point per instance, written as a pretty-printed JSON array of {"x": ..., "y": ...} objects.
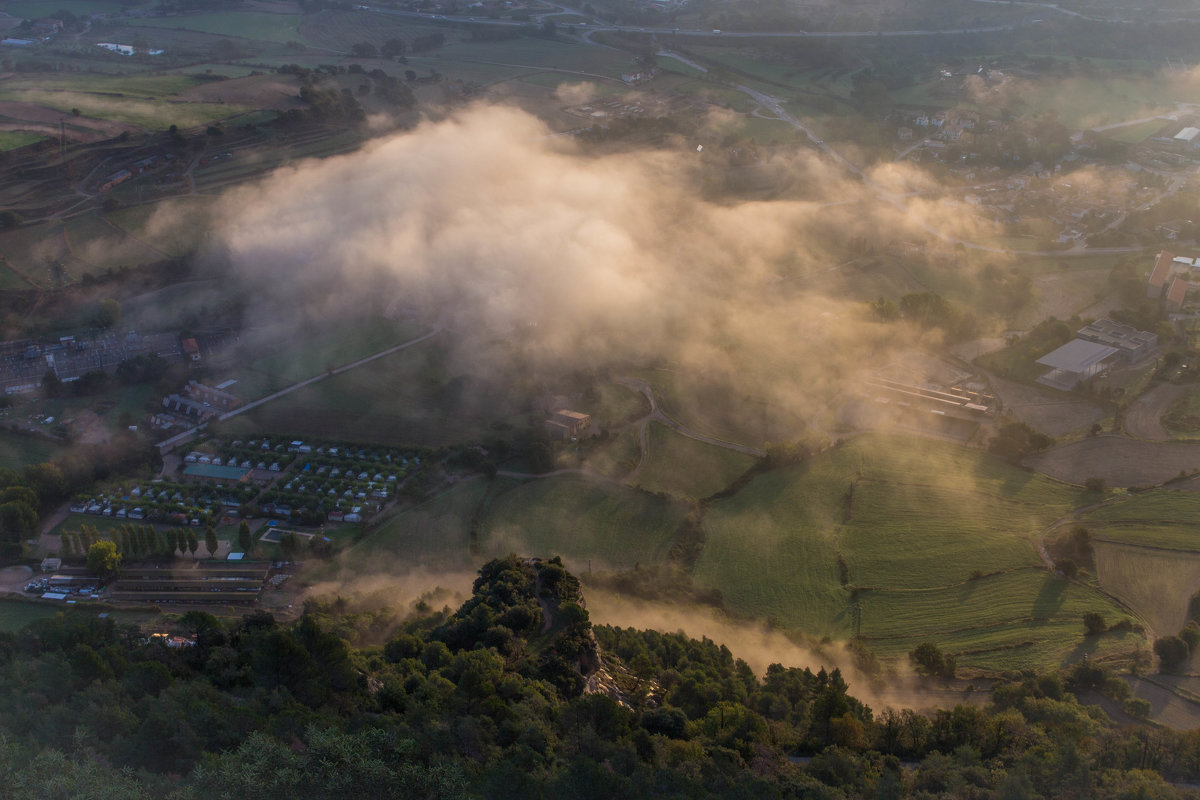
[
  {"x": 192, "y": 350},
  {"x": 1177, "y": 293},
  {"x": 1159, "y": 276}
]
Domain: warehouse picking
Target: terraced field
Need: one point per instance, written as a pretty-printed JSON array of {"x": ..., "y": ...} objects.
[{"x": 937, "y": 544}]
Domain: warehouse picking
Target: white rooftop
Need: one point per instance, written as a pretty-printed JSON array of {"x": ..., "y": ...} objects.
[
  {"x": 1077, "y": 355},
  {"x": 1188, "y": 134}
]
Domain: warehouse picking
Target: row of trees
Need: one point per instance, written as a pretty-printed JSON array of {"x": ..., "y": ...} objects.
[{"x": 130, "y": 541}]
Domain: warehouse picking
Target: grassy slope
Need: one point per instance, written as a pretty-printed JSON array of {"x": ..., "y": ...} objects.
[
  {"x": 435, "y": 532},
  {"x": 281, "y": 28},
  {"x": 581, "y": 520},
  {"x": 1160, "y": 518},
  {"x": 11, "y": 140},
  {"x": 682, "y": 466},
  {"x": 924, "y": 517}
]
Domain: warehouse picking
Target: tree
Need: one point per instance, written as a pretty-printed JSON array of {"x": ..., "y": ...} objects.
[
  {"x": 928, "y": 658},
  {"x": 192, "y": 544},
  {"x": 365, "y": 50},
  {"x": 108, "y": 313},
  {"x": 244, "y": 540},
  {"x": 10, "y": 220},
  {"x": 287, "y": 543},
  {"x": 18, "y": 520},
  {"x": 51, "y": 385},
  {"x": 210, "y": 541},
  {"x": 1094, "y": 624},
  {"x": 393, "y": 47},
  {"x": 103, "y": 558},
  {"x": 1171, "y": 651}
]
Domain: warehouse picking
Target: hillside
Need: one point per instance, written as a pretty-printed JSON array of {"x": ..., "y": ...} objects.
[{"x": 492, "y": 700}]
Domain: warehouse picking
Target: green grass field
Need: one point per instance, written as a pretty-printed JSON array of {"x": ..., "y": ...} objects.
[
  {"x": 1157, "y": 506},
  {"x": 434, "y": 533},
  {"x": 688, "y": 468},
  {"x": 11, "y": 140},
  {"x": 10, "y": 278},
  {"x": 32, "y": 248},
  {"x": 304, "y": 356},
  {"x": 98, "y": 246},
  {"x": 413, "y": 396},
  {"x": 1182, "y": 419},
  {"x": 582, "y": 521},
  {"x": 74, "y": 522},
  {"x": 1025, "y": 618},
  {"x": 533, "y": 52},
  {"x": 33, "y": 9},
  {"x": 16, "y": 614},
  {"x": 1161, "y": 518},
  {"x": 1136, "y": 133},
  {"x": 172, "y": 226},
  {"x": 280, "y": 28},
  {"x": 923, "y": 518},
  {"x": 16, "y": 450},
  {"x": 616, "y": 456},
  {"x": 143, "y": 112}
]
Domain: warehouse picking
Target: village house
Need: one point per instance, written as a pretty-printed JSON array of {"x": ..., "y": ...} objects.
[{"x": 565, "y": 424}]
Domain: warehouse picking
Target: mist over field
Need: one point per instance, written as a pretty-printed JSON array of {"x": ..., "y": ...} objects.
[{"x": 493, "y": 227}]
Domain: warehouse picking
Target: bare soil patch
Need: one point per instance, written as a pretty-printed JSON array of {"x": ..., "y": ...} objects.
[
  {"x": 1143, "y": 419},
  {"x": 13, "y": 579},
  {"x": 34, "y": 113},
  {"x": 1119, "y": 460},
  {"x": 1063, "y": 294},
  {"x": 1052, "y": 413}
]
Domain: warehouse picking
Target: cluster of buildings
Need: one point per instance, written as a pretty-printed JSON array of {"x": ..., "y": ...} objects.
[
  {"x": 197, "y": 403},
  {"x": 127, "y": 49},
  {"x": 1171, "y": 279},
  {"x": 133, "y": 170},
  {"x": 24, "y": 362},
  {"x": 1096, "y": 347}
]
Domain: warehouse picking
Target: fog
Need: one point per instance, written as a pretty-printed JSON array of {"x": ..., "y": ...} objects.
[{"x": 493, "y": 227}]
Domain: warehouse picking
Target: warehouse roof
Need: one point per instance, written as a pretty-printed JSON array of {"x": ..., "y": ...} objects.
[{"x": 1077, "y": 355}]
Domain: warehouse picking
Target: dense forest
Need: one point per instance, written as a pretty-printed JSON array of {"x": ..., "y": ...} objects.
[{"x": 515, "y": 694}]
